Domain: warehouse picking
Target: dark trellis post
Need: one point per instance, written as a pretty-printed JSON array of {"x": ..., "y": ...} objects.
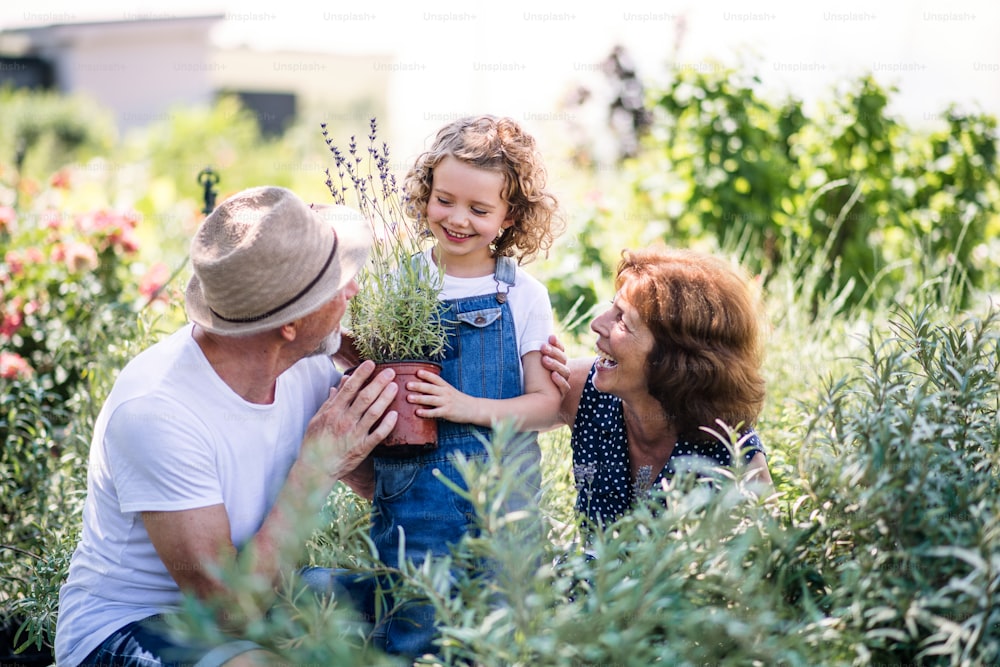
[{"x": 208, "y": 179}]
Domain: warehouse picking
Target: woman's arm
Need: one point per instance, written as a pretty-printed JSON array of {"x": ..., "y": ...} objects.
[{"x": 757, "y": 471}]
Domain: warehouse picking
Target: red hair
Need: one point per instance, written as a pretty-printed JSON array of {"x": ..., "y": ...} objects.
[{"x": 706, "y": 324}]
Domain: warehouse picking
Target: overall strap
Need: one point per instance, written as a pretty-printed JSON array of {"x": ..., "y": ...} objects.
[{"x": 505, "y": 272}]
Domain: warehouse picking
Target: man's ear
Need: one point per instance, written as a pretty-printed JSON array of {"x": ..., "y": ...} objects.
[{"x": 289, "y": 331}]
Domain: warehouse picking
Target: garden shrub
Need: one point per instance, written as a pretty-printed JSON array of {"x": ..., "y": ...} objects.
[
  {"x": 42, "y": 131},
  {"x": 701, "y": 581},
  {"x": 846, "y": 183},
  {"x": 900, "y": 464},
  {"x": 69, "y": 314}
]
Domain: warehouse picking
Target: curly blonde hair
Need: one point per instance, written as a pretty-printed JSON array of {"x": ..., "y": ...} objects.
[{"x": 500, "y": 145}]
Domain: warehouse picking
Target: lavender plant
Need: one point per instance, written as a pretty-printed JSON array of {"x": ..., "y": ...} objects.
[{"x": 396, "y": 314}]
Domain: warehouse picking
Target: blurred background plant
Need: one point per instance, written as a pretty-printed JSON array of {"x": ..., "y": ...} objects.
[
  {"x": 720, "y": 164},
  {"x": 876, "y": 246}
]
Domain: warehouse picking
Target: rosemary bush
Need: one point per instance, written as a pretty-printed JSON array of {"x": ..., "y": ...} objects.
[
  {"x": 396, "y": 314},
  {"x": 901, "y": 464},
  {"x": 704, "y": 580}
]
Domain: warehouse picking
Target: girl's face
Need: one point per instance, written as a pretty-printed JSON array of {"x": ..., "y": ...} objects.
[
  {"x": 623, "y": 346},
  {"x": 466, "y": 212}
]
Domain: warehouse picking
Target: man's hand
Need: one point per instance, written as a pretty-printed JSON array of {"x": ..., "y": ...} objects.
[
  {"x": 351, "y": 422},
  {"x": 337, "y": 441}
]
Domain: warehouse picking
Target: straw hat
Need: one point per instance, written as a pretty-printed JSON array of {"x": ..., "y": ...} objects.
[{"x": 264, "y": 257}]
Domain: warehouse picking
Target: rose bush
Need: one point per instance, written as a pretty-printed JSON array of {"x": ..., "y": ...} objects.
[{"x": 71, "y": 288}]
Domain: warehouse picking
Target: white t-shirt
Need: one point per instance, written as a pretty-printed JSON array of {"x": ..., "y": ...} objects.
[
  {"x": 173, "y": 436},
  {"x": 528, "y": 300}
]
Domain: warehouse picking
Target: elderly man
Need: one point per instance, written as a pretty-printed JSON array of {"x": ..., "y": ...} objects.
[{"x": 216, "y": 440}]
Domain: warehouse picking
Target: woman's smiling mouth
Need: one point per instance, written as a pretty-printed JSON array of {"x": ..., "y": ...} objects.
[{"x": 604, "y": 360}]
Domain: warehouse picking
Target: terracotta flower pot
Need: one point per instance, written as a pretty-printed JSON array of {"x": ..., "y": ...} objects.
[{"x": 412, "y": 435}]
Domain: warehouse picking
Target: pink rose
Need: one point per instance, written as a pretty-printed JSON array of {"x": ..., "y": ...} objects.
[
  {"x": 154, "y": 280},
  {"x": 14, "y": 261},
  {"x": 13, "y": 366},
  {"x": 51, "y": 219},
  {"x": 34, "y": 255},
  {"x": 60, "y": 179},
  {"x": 8, "y": 216},
  {"x": 79, "y": 257},
  {"x": 12, "y": 317}
]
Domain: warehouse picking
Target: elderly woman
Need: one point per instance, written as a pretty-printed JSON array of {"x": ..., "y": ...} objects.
[{"x": 678, "y": 351}]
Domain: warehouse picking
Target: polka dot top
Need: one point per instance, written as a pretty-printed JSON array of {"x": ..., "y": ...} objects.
[{"x": 601, "y": 469}]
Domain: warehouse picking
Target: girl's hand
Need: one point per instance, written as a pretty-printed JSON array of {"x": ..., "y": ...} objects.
[{"x": 442, "y": 400}]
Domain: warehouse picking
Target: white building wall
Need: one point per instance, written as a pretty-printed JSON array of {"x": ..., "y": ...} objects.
[{"x": 139, "y": 70}]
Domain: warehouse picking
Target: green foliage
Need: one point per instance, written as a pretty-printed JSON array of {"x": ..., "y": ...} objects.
[
  {"x": 952, "y": 179},
  {"x": 705, "y": 580},
  {"x": 732, "y": 151},
  {"x": 846, "y": 184},
  {"x": 396, "y": 314},
  {"x": 41, "y": 131},
  {"x": 901, "y": 464},
  {"x": 70, "y": 302}
]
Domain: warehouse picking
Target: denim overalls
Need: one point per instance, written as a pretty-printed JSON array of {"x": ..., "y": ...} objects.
[{"x": 482, "y": 360}]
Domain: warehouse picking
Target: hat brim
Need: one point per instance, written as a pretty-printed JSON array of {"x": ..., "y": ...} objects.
[{"x": 354, "y": 243}]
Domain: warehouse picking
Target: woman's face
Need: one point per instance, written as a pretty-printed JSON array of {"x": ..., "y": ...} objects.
[{"x": 623, "y": 346}]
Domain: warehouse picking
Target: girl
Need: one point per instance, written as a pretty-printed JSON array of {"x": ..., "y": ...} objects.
[{"x": 480, "y": 191}]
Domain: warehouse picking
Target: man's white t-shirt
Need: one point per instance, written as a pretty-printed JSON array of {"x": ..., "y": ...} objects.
[
  {"x": 173, "y": 436},
  {"x": 528, "y": 300}
]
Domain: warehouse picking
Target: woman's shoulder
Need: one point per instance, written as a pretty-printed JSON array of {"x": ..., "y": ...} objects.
[{"x": 750, "y": 443}]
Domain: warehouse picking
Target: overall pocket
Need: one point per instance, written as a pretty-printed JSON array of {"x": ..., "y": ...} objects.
[{"x": 480, "y": 318}]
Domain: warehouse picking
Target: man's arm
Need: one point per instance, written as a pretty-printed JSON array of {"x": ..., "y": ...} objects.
[
  {"x": 191, "y": 543},
  {"x": 362, "y": 479}
]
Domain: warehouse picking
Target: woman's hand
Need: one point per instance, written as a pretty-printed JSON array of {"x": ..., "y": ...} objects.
[{"x": 554, "y": 360}]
